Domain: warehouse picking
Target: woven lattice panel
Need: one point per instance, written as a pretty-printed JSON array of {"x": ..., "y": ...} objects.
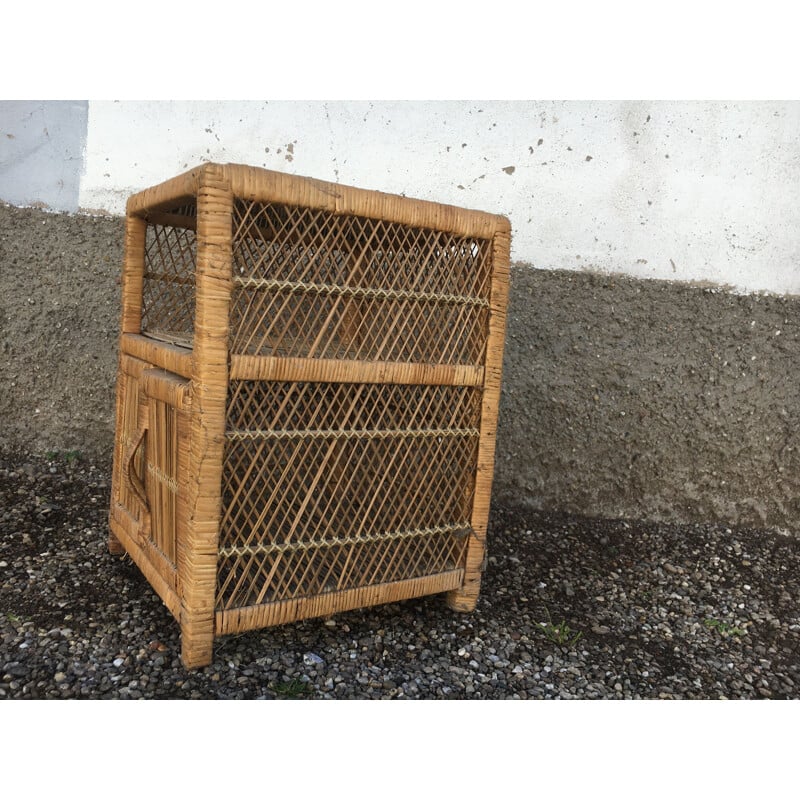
[
  {"x": 168, "y": 297},
  {"x": 312, "y": 284},
  {"x": 334, "y": 486}
]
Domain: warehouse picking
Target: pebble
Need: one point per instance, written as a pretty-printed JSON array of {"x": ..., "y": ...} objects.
[{"x": 626, "y": 617}]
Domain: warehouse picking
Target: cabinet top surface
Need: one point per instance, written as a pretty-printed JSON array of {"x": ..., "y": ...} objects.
[{"x": 267, "y": 186}]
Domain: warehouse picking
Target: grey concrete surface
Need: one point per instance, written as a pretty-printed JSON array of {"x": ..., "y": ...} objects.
[
  {"x": 650, "y": 399},
  {"x": 59, "y": 318},
  {"x": 621, "y": 397}
]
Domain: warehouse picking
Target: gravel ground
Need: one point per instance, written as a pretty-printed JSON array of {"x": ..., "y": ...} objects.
[{"x": 571, "y": 608}]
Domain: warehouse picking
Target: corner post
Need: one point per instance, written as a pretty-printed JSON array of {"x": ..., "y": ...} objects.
[
  {"x": 465, "y": 598},
  {"x": 198, "y": 550},
  {"x": 131, "y": 322}
]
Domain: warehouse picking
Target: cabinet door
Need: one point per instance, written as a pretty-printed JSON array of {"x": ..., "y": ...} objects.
[
  {"x": 151, "y": 462},
  {"x": 166, "y": 466}
]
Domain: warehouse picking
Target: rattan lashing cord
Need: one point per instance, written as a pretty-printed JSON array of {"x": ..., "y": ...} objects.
[
  {"x": 457, "y": 529},
  {"x": 211, "y": 192},
  {"x": 390, "y": 433},
  {"x": 365, "y": 292}
]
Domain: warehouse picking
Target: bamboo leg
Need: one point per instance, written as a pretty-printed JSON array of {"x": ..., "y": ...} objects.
[
  {"x": 114, "y": 545},
  {"x": 198, "y": 549},
  {"x": 466, "y": 597}
]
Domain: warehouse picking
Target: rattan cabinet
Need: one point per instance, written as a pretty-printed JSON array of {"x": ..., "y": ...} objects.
[{"x": 309, "y": 377}]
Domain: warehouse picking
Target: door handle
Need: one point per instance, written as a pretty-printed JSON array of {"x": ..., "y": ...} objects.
[{"x": 134, "y": 479}]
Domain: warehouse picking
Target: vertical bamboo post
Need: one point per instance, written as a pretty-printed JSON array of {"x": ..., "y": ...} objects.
[
  {"x": 465, "y": 597},
  {"x": 183, "y": 457},
  {"x": 132, "y": 283},
  {"x": 198, "y": 548}
]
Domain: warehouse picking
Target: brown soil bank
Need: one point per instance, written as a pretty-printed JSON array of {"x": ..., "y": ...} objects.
[{"x": 621, "y": 397}]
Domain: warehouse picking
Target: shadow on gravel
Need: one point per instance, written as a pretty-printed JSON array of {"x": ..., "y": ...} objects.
[{"x": 570, "y": 608}]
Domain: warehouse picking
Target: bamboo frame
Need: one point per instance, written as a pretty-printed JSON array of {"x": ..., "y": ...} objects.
[
  {"x": 197, "y": 551},
  {"x": 466, "y": 597},
  {"x": 244, "y": 527}
]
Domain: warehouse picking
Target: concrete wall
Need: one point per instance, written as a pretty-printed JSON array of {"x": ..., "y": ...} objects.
[
  {"x": 689, "y": 191},
  {"x": 650, "y": 400},
  {"x": 621, "y": 397},
  {"x": 656, "y": 399}
]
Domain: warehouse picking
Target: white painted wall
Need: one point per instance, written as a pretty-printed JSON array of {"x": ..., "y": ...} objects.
[
  {"x": 41, "y": 152},
  {"x": 691, "y": 191}
]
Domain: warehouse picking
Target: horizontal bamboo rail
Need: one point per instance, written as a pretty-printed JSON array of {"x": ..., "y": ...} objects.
[
  {"x": 252, "y": 617},
  {"x": 157, "y": 353},
  {"x": 271, "y": 368}
]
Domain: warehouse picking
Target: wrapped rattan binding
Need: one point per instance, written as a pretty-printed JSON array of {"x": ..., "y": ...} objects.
[{"x": 307, "y": 398}]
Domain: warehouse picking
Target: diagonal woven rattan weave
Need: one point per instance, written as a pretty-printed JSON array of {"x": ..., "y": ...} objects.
[{"x": 307, "y": 398}]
